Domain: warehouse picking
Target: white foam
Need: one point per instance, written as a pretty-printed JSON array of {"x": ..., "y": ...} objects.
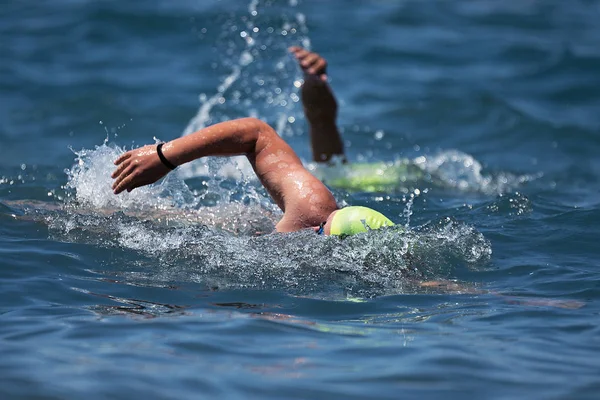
[
  {"x": 462, "y": 171},
  {"x": 91, "y": 184},
  {"x": 260, "y": 81}
]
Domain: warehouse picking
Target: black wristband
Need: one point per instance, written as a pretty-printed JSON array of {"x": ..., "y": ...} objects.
[{"x": 162, "y": 157}]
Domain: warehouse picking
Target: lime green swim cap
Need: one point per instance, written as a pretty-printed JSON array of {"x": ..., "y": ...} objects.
[{"x": 356, "y": 219}]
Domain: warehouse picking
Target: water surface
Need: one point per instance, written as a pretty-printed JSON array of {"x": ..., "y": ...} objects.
[{"x": 168, "y": 291}]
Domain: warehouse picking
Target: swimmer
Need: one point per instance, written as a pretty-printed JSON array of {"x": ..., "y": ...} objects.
[{"x": 305, "y": 201}]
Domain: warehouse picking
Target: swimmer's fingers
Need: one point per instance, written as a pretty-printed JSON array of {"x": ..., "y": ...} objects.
[
  {"x": 124, "y": 173},
  {"x": 302, "y": 55},
  {"x": 318, "y": 67},
  {"x": 141, "y": 178},
  {"x": 122, "y": 158},
  {"x": 141, "y": 167},
  {"x": 135, "y": 178},
  {"x": 297, "y": 51},
  {"x": 121, "y": 166},
  {"x": 310, "y": 62},
  {"x": 126, "y": 183},
  {"x": 309, "y": 59}
]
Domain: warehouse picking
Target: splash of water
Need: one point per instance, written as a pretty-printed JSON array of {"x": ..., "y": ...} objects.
[
  {"x": 168, "y": 234},
  {"x": 447, "y": 169},
  {"x": 261, "y": 80},
  {"x": 388, "y": 261},
  {"x": 458, "y": 170},
  {"x": 513, "y": 204},
  {"x": 90, "y": 184},
  {"x": 240, "y": 208},
  {"x": 171, "y": 232}
]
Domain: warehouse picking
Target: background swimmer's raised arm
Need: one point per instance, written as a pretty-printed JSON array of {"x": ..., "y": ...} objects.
[
  {"x": 320, "y": 106},
  {"x": 304, "y": 199}
]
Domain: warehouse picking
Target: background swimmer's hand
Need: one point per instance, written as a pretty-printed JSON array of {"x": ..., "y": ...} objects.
[
  {"x": 320, "y": 106},
  {"x": 137, "y": 168},
  {"x": 310, "y": 62}
]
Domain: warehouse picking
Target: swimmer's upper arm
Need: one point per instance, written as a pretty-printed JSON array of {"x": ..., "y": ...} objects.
[
  {"x": 303, "y": 198},
  {"x": 271, "y": 157},
  {"x": 274, "y": 161}
]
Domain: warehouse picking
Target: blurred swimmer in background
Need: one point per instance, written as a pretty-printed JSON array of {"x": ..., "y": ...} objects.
[{"x": 320, "y": 110}]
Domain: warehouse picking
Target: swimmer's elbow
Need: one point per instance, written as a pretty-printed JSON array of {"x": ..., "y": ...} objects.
[
  {"x": 262, "y": 133},
  {"x": 261, "y": 127}
]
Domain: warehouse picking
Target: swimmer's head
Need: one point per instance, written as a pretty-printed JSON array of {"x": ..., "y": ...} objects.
[{"x": 352, "y": 220}]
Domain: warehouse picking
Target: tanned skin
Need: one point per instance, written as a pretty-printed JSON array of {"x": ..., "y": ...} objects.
[
  {"x": 320, "y": 106},
  {"x": 305, "y": 201}
]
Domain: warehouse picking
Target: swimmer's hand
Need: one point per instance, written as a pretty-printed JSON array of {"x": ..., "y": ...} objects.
[
  {"x": 138, "y": 167},
  {"x": 311, "y": 63},
  {"x": 320, "y": 106}
]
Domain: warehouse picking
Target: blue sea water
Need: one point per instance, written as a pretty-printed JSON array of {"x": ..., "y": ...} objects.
[{"x": 167, "y": 292}]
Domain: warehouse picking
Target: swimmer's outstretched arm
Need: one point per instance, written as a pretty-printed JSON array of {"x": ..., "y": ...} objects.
[
  {"x": 303, "y": 198},
  {"x": 320, "y": 106},
  {"x": 244, "y": 136}
]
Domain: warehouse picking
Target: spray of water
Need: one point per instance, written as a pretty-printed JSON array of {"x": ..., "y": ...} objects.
[
  {"x": 261, "y": 79},
  {"x": 387, "y": 261},
  {"x": 458, "y": 170},
  {"x": 200, "y": 224}
]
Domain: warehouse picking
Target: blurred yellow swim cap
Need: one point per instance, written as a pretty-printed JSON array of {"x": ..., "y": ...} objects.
[{"x": 356, "y": 219}]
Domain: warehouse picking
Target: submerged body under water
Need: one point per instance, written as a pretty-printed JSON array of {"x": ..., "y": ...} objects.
[{"x": 473, "y": 126}]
